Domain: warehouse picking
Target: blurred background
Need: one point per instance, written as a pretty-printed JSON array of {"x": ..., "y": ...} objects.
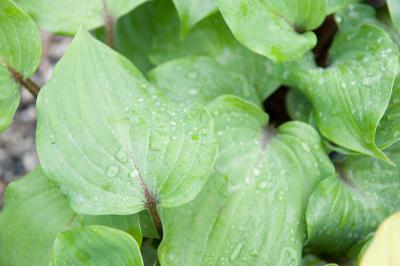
[{"x": 17, "y": 144}]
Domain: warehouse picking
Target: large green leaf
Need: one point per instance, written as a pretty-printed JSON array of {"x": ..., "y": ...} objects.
[
  {"x": 349, "y": 205},
  {"x": 273, "y": 27},
  {"x": 95, "y": 245},
  {"x": 394, "y": 9},
  {"x": 255, "y": 201},
  {"x": 19, "y": 55},
  {"x": 351, "y": 95},
  {"x": 35, "y": 212},
  {"x": 192, "y": 11},
  {"x": 68, "y": 16},
  {"x": 200, "y": 79},
  {"x": 113, "y": 142},
  {"x": 210, "y": 37}
]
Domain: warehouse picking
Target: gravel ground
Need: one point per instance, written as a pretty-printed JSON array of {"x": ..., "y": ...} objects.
[{"x": 17, "y": 144}]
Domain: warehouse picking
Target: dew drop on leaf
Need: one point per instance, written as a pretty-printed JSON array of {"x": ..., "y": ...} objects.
[
  {"x": 236, "y": 251},
  {"x": 112, "y": 170}
]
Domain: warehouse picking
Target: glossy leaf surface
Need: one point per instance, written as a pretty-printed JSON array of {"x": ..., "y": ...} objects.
[
  {"x": 271, "y": 27},
  {"x": 345, "y": 208},
  {"x": 255, "y": 200},
  {"x": 112, "y": 141},
  {"x": 95, "y": 245},
  {"x": 35, "y": 212}
]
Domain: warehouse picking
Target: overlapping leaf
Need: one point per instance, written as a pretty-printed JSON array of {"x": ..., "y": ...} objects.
[
  {"x": 350, "y": 96},
  {"x": 95, "y": 245},
  {"x": 191, "y": 12},
  {"x": 384, "y": 249},
  {"x": 19, "y": 55},
  {"x": 256, "y": 199},
  {"x": 68, "y": 16},
  {"x": 273, "y": 28},
  {"x": 35, "y": 212},
  {"x": 345, "y": 208},
  {"x": 394, "y": 9},
  {"x": 113, "y": 142},
  {"x": 200, "y": 80},
  {"x": 158, "y": 25},
  {"x": 336, "y": 5}
]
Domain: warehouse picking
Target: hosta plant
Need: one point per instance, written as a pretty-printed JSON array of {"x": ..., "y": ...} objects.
[{"x": 217, "y": 132}]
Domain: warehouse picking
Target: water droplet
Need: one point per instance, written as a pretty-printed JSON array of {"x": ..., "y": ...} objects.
[
  {"x": 256, "y": 172},
  {"x": 305, "y": 146},
  {"x": 236, "y": 251},
  {"x": 158, "y": 141},
  {"x": 262, "y": 185},
  {"x": 112, "y": 170},
  {"x": 134, "y": 173},
  {"x": 192, "y": 75},
  {"x": 193, "y": 92},
  {"x": 121, "y": 156}
]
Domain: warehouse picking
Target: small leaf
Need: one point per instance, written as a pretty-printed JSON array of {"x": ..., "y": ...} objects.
[
  {"x": 95, "y": 245},
  {"x": 200, "y": 80},
  {"x": 112, "y": 141},
  {"x": 351, "y": 95},
  {"x": 346, "y": 207},
  {"x": 384, "y": 249},
  {"x": 35, "y": 212},
  {"x": 271, "y": 27},
  {"x": 298, "y": 106},
  {"x": 255, "y": 200},
  {"x": 19, "y": 55},
  {"x": 389, "y": 127},
  {"x": 394, "y": 9},
  {"x": 210, "y": 37},
  {"x": 192, "y": 11},
  {"x": 67, "y": 17}
]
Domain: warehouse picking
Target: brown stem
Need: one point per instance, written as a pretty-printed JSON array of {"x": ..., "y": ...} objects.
[
  {"x": 109, "y": 22},
  {"x": 29, "y": 84},
  {"x": 151, "y": 205}
]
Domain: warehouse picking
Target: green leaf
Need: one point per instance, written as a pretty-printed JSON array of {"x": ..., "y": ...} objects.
[
  {"x": 271, "y": 27},
  {"x": 200, "y": 80},
  {"x": 298, "y": 106},
  {"x": 147, "y": 225},
  {"x": 95, "y": 245},
  {"x": 68, "y": 16},
  {"x": 192, "y": 11},
  {"x": 210, "y": 37},
  {"x": 346, "y": 207},
  {"x": 19, "y": 55},
  {"x": 149, "y": 252},
  {"x": 394, "y": 9},
  {"x": 35, "y": 212},
  {"x": 389, "y": 127},
  {"x": 351, "y": 95},
  {"x": 112, "y": 141},
  {"x": 336, "y": 5},
  {"x": 138, "y": 22},
  {"x": 255, "y": 201}
]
